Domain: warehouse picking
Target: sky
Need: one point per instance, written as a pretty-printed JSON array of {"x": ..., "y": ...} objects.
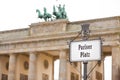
[{"x": 16, "y": 14}]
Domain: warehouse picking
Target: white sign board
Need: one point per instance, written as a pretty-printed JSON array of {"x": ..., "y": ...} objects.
[{"x": 85, "y": 50}]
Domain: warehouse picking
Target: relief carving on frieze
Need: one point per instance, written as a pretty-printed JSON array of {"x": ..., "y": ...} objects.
[
  {"x": 23, "y": 77},
  {"x": 45, "y": 76},
  {"x": 4, "y": 77},
  {"x": 74, "y": 76},
  {"x": 98, "y": 75}
]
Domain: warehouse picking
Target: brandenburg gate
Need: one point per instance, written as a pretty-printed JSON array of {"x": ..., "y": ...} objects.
[{"x": 29, "y": 54}]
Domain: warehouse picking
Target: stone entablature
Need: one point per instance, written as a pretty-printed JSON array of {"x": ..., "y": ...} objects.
[
  {"x": 96, "y": 24},
  {"x": 56, "y": 35},
  {"x": 54, "y": 27},
  {"x": 14, "y": 34}
]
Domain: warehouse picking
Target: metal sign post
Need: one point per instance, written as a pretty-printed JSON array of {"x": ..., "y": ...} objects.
[
  {"x": 85, "y": 36},
  {"x": 85, "y": 50},
  {"x": 85, "y": 70}
]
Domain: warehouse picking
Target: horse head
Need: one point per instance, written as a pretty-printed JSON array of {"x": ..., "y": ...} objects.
[{"x": 39, "y": 13}]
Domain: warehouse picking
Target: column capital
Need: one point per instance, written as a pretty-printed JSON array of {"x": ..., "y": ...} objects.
[
  {"x": 10, "y": 54},
  {"x": 62, "y": 50},
  {"x": 117, "y": 45},
  {"x": 33, "y": 52},
  {"x": 63, "y": 54}
]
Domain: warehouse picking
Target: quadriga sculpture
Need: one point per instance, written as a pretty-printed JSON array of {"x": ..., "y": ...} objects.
[{"x": 60, "y": 13}]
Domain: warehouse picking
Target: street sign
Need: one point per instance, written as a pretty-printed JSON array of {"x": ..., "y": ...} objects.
[{"x": 85, "y": 50}]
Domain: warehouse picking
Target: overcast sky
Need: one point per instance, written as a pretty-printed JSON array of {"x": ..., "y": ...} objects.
[{"x": 16, "y": 14}]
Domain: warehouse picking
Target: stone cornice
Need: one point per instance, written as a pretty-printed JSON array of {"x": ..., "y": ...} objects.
[
  {"x": 49, "y": 22},
  {"x": 96, "y": 20}
]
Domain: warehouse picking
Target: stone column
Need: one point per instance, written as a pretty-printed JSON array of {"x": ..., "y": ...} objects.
[
  {"x": 12, "y": 67},
  {"x": 32, "y": 67},
  {"x": 115, "y": 63},
  {"x": 0, "y": 68},
  {"x": 63, "y": 65},
  {"x": 53, "y": 69}
]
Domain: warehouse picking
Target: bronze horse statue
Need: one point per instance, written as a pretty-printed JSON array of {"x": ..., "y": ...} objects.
[
  {"x": 46, "y": 16},
  {"x": 39, "y": 13},
  {"x": 61, "y": 14}
]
